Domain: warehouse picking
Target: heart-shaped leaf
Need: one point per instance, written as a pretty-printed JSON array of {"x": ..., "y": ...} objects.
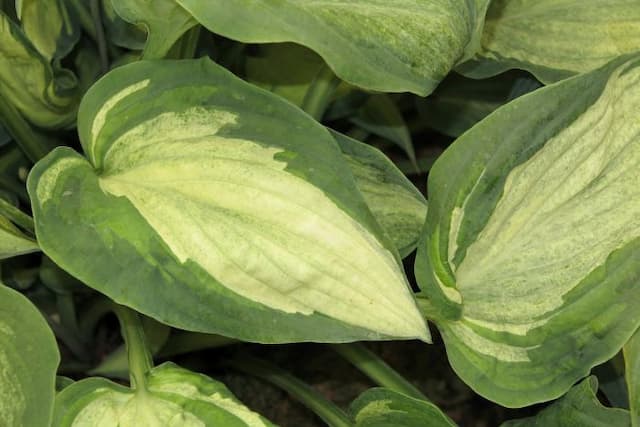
[
  {"x": 218, "y": 207},
  {"x": 531, "y": 251},
  {"x": 28, "y": 362},
  {"x": 396, "y": 46},
  {"x": 173, "y": 397},
  {"x": 380, "y": 407},
  {"x": 555, "y": 39}
]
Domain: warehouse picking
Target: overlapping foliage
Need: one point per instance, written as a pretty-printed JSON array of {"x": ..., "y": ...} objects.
[{"x": 218, "y": 184}]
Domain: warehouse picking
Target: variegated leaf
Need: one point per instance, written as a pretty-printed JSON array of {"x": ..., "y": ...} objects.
[
  {"x": 531, "y": 251},
  {"x": 173, "y": 396},
  {"x": 50, "y": 26},
  {"x": 395, "y": 202},
  {"x": 396, "y": 46},
  {"x": 13, "y": 242},
  {"x": 45, "y": 96},
  {"x": 579, "y": 407},
  {"x": 380, "y": 407},
  {"x": 555, "y": 39},
  {"x": 28, "y": 363},
  {"x": 218, "y": 207}
]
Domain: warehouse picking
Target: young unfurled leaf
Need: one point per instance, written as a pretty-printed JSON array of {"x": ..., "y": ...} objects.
[
  {"x": 164, "y": 20},
  {"x": 44, "y": 95},
  {"x": 555, "y": 39},
  {"x": 28, "y": 362},
  {"x": 379, "y": 407},
  {"x": 579, "y": 407},
  {"x": 531, "y": 251},
  {"x": 173, "y": 396},
  {"x": 218, "y": 207},
  {"x": 49, "y": 25},
  {"x": 396, "y": 46},
  {"x": 395, "y": 202},
  {"x": 632, "y": 375}
]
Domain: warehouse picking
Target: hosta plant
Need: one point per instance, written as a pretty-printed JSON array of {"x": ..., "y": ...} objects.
[{"x": 219, "y": 172}]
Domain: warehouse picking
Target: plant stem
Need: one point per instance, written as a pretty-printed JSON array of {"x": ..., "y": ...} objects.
[
  {"x": 376, "y": 369},
  {"x": 185, "y": 47},
  {"x": 325, "y": 409},
  {"x": 30, "y": 142},
  {"x": 319, "y": 94},
  {"x": 100, "y": 37},
  {"x": 140, "y": 362},
  {"x": 16, "y": 215}
]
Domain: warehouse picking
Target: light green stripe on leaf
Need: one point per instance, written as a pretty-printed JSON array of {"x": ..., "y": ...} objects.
[
  {"x": 46, "y": 96},
  {"x": 233, "y": 211},
  {"x": 531, "y": 249},
  {"x": 555, "y": 39},
  {"x": 173, "y": 397},
  {"x": 50, "y": 25},
  {"x": 396, "y": 46},
  {"x": 380, "y": 407},
  {"x": 28, "y": 362},
  {"x": 14, "y": 242},
  {"x": 394, "y": 201}
]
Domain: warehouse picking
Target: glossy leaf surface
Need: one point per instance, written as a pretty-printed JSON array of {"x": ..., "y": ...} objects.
[
  {"x": 579, "y": 407},
  {"x": 28, "y": 362},
  {"x": 387, "y": 46},
  {"x": 173, "y": 397},
  {"x": 220, "y": 208},
  {"x": 379, "y": 407},
  {"x": 531, "y": 251},
  {"x": 555, "y": 39}
]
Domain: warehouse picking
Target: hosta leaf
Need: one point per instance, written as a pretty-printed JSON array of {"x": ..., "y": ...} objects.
[
  {"x": 632, "y": 375},
  {"x": 531, "y": 251},
  {"x": 28, "y": 362},
  {"x": 173, "y": 397},
  {"x": 43, "y": 95},
  {"x": 164, "y": 20},
  {"x": 218, "y": 207},
  {"x": 49, "y": 25},
  {"x": 379, "y": 407},
  {"x": 120, "y": 32},
  {"x": 555, "y": 39},
  {"x": 580, "y": 407},
  {"x": 396, "y": 46},
  {"x": 459, "y": 103},
  {"x": 380, "y": 115},
  {"x": 286, "y": 69},
  {"x": 13, "y": 242},
  {"x": 395, "y": 202}
]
